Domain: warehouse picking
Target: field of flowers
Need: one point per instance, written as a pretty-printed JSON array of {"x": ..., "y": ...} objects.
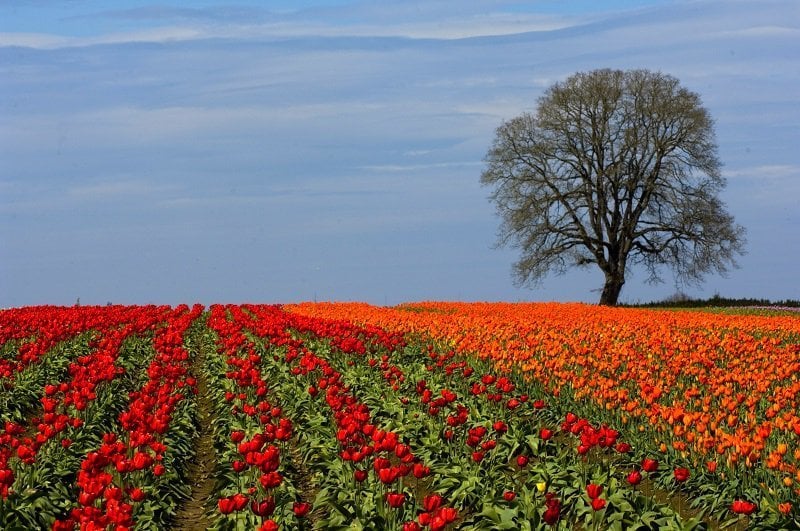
[{"x": 425, "y": 416}]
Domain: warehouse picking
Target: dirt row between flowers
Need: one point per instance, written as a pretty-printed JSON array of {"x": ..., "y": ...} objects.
[{"x": 193, "y": 514}]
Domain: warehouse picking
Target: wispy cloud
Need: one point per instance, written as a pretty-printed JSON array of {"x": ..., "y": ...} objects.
[
  {"x": 154, "y": 35},
  {"x": 118, "y": 189},
  {"x": 429, "y": 20},
  {"x": 763, "y": 31},
  {"x": 767, "y": 171},
  {"x": 406, "y": 168}
]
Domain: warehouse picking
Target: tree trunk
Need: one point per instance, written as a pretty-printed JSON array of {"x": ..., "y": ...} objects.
[{"x": 611, "y": 289}]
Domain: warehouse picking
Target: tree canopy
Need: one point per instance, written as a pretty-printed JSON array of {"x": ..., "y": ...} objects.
[{"x": 614, "y": 168}]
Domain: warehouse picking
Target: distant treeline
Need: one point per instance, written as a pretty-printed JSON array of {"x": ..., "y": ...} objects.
[{"x": 684, "y": 301}]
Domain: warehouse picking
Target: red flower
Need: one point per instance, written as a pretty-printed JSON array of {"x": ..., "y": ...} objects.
[
  {"x": 509, "y": 495},
  {"x": 421, "y": 471},
  {"x": 711, "y": 466},
  {"x": 500, "y": 426},
  {"x": 401, "y": 450},
  {"x": 522, "y": 461},
  {"x": 239, "y": 501},
  {"x": 269, "y": 525},
  {"x": 593, "y": 490},
  {"x": 634, "y": 477},
  {"x": 388, "y": 475},
  {"x": 411, "y": 526},
  {"x": 271, "y": 480},
  {"x": 301, "y": 509},
  {"x": 360, "y": 475},
  {"x": 546, "y": 434},
  {"x": 598, "y": 504},
  {"x": 237, "y": 436},
  {"x": 264, "y": 507},
  {"x": 395, "y": 499},
  {"x": 553, "y": 512},
  {"x": 226, "y": 505},
  {"x": 159, "y": 470},
  {"x": 432, "y": 502},
  {"x": 681, "y": 474},
  {"x": 743, "y": 507},
  {"x": 649, "y": 465}
]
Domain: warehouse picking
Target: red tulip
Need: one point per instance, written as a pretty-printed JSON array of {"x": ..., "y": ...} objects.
[
  {"x": 546, "y": 434},
  {"x": 598, "y": 504},
  {"x": 635, "y": 477},
  {"x": 522, "y": 461},
  {"x": 681, "y": 474},
  {"x": 263, "y": 508},
  {"x": 509, "y": 495},
  {"x": 432, "y": 502},
  {"x": 649, "y": 465},
  {"x": 743, "y": 507},
  {"x": 225, "y": 505},
  {"x": 271, "y": 480},
  {"x": 401, "y": 450},
  {"x": 553, "y": 512},
  {"x": 395, "y": 499},
  {"x": 239, "y": 501},
  {"x": 301, "y": 509},
  {"x": 593, "y": 490},
  {"x": 387, "y": 475},
  {"x": 421, "y": 471}
]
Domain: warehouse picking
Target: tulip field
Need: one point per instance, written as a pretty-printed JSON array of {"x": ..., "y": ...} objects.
[{"x": 423, "y": 416}]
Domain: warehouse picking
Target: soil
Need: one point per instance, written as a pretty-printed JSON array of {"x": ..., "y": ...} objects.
[{"x": 193, "y": 514}]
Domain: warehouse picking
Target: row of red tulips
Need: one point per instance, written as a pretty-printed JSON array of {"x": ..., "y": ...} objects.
[{"x": 47, "y": 460}]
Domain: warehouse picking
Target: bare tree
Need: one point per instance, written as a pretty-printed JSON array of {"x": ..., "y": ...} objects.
[{"x": 615, "y": 167}]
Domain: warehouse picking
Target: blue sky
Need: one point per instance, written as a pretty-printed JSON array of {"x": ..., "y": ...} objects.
[{"x": 226, "y": 152}]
